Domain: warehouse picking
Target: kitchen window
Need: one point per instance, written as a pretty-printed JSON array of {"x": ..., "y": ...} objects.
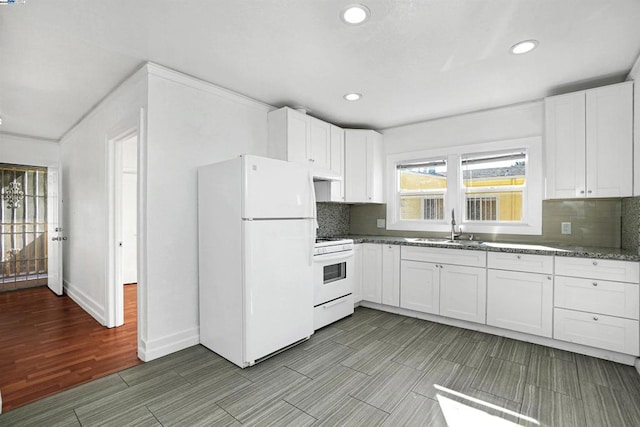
[
  {"x": 492, "y": 187},
  {"x": 422, "y": 189}
]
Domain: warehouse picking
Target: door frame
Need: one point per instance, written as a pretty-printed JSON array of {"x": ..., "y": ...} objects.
[{"x": 114, "y": 308}]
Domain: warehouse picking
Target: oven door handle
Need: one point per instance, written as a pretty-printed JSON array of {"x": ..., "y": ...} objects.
[
  {"x": 335, "y": 302},
  {"x": 333, "y": 256}
]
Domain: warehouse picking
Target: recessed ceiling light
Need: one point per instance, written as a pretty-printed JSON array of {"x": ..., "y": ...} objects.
[
  {"x": 353, "y": 96},
  {"x": 524, "y": 46},
  {"x": 355, "y": 14}
]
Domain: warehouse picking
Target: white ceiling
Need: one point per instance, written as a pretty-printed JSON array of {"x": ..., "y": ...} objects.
[{"x": 413, "y": 60}]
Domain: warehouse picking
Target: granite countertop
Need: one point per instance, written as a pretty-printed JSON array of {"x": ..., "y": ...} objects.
[{"x": 522, "y": 248}]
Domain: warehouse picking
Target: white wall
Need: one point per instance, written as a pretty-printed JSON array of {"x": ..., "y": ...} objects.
[
  {"x": 511, "y": 122},
  {"x": 22, "y": 150},
  {"x": 83, "y": 153},
  {"x": 190, "y": 124}
]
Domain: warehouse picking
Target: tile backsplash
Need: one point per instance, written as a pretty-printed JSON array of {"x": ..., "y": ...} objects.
[
  {"x": 594, "y": 222},
  {"x": 631, "y": 224},
  {"x": 333, "y": 219}
]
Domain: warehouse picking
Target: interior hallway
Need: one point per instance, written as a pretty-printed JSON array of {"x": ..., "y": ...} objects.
[{"x": 49, "y": 344}]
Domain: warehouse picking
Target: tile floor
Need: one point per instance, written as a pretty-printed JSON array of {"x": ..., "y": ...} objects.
[{"x": 373, "y": 368}]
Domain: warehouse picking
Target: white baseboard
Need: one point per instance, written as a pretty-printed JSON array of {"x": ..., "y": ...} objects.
[
  {"x": 638, "y": 366},
  {"x": 153, "y": 349},
  {"x": 625, "y": 359},
  {"x": 87, "y": 303}
]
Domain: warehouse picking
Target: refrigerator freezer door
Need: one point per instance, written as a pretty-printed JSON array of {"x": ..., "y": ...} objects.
[
  {"x": 278, "y": 285},
  {"x": 276, "y": 189}
]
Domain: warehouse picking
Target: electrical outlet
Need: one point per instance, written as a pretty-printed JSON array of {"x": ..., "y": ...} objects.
[
  {"x": 566, "y": 228},
  {"x": 380, "y": 222}
]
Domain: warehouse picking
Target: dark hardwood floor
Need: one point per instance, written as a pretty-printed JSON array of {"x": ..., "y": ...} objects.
[{"x": 49, "y": 344}]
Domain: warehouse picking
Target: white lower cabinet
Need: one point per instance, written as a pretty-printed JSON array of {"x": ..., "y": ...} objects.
[
  {"x": 420, "y": 286},
  {"x": 597, "y": 330},
  {"x": 456, "y": 291},
  {"x": 391, "y": 275},
  {"x": 463, "y": 292},
  {"x": 520, "y": 301},
  {"x": 372, "y": 272},
  {"x": 381, "y": 273},
  {"x": 597, "y": 303},
  {"x": 357, "y": 273}
]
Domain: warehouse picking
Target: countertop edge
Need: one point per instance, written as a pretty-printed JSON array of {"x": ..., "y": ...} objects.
[{"x": 565, "y": 251}]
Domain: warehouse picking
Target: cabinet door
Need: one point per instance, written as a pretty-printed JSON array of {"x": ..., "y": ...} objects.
[
  {"x": 610, "y": 141},
  {"x": 319, "y": 146},
  {"x": 520, "y": 301},
  {"x": 463, "y": 293},
  {"x": 420, "y": 286},
  {"x": 565, "y": 145},
  {"x": 372, "y": 272},
  {"x": 374, "y": 167},
  {"x": 363, "y": 166},
  {"x": 355, "y": 148},
  {"x": 391, "y": 275},
  {"x": 297, "y": 135},
  {"x": 337, "y": 163},
  {"x": 357, "y": 273}
]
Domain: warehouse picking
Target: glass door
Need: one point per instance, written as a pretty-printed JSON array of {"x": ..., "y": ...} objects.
[{"x": 23, "y": 227}]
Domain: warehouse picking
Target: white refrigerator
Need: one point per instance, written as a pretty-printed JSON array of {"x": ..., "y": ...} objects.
[{"x": 256, "y": 220}]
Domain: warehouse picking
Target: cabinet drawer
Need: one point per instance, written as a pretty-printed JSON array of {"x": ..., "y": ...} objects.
[
  {"x": 604, "y": 269},
  {"x": 597, "y": 296},
  {"x": 445, "y": 256},
  {"x": 332, "y": 311},
  {"x": 520, "y": 262},
  {"x": 597, "y": 330}
]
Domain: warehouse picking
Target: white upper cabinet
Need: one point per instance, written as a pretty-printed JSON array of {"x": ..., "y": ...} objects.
[
  {"x": 589, "y": 146},
  {"x": 319, "y": 143},
  {"x": 363, "y": 166},
  {"x": 296, "y": 137}
]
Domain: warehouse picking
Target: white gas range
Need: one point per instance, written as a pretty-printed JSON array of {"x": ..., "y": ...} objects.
[{"x": 333, "y": 280}]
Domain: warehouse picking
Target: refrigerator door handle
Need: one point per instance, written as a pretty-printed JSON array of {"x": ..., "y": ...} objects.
[
  {"x": 312, "y": 198},
  {"x": 313, "y": 224}
]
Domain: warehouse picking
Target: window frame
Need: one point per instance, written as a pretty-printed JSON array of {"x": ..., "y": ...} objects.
[{"x": 531, "y": 223}]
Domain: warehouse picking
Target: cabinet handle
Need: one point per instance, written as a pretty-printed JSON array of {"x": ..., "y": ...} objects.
[
  {"x": 589, "y": 191},
  {"x": 595, "y": 263},
  {"x": 518, "y": 256},
  {"x": 311, "y": 160},
  {"x": 595, "y": 318},
  {"x": 548, "y": 277},
  {"x": 581, "y": 191},
  {"x": 595, "y": 283}
]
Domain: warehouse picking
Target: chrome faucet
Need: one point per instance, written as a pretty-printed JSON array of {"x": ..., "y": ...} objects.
[{"x": 454, "y": 234}]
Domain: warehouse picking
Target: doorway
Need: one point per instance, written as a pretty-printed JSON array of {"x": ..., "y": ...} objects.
[
  {"x": 23, "y": 227},
  {"x": 123, "y": 183}
]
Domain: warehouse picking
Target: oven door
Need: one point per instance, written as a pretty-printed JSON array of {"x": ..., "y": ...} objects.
[{"x": 333, "y": 276}]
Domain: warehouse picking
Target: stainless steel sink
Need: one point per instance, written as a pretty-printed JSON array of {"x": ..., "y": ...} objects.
[{"x": 446, "y": 241}]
